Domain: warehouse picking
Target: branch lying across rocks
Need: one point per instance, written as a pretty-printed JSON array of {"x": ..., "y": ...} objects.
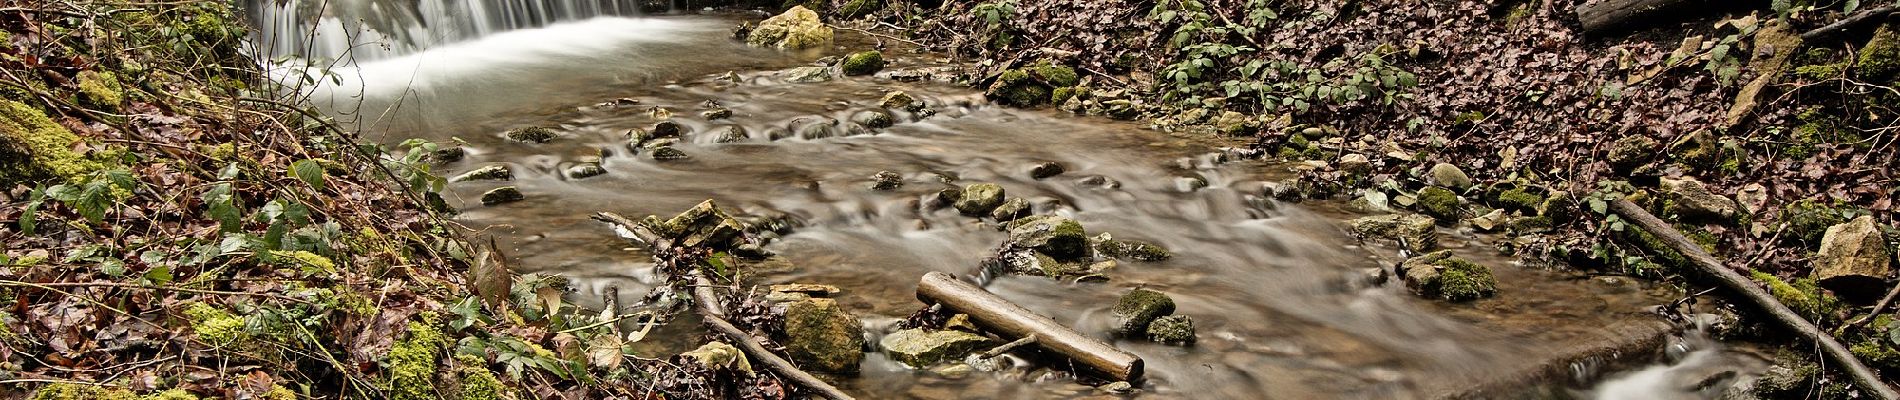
[
  {"x": 1710, "y": 266},
  {"x": 1006, "y": 318},
  {"x": 703, "y": 295},
  {"x": 1821, "y": 33}
]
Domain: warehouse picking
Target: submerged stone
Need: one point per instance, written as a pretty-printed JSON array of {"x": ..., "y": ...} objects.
[
  {"x": 1172, "y": 329},
  {"x": 1139, "y": 308},
  {"x": 920, "y": 349},
  {"x": 822, "y": 336},
  {"x": 584, "y": 171},
  {"x": 979, "y": 198},
  {"x": 862, "y": 63},
  {"x": 1854, "y": 260},
  {"x": 532, "y": 134},
  {"x": 501, "y": 195},
  {"x": 667, "y": 154},
  {"x": 796, "y": 28},
  {"x": 485, "y": 173},
  {"x": 873, "y": 118},
  {"x": 1045, "y": 170},
  {"x": 886, "y": 180}
]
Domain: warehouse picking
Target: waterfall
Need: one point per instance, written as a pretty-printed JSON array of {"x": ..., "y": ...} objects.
[{"x": 348, "y": 31}]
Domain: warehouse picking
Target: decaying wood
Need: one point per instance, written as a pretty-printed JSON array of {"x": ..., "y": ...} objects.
[
  {"x": 631, "y": 230},
  {"x": 1006, "y": 347},
  {"x": 1864, "y": 16},
  {"x": 1010, "y": 320},
  {"x": 1707, "y": 264},
  {"x": 703, "y": 294},
  {"x": 1602, "y": 15}
]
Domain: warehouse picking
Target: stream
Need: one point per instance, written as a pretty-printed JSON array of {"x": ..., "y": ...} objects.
[{"x": 1276, "y": 289}]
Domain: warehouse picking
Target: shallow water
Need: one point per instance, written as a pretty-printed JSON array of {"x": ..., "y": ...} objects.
[{"x": 1274, "y": 288}]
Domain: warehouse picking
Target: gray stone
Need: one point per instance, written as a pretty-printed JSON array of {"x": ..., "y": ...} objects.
[
  {"x": 822, "y": 336},
  {"x": 1688, "y": 198},
  {"x": 501, "y": 195},
  {"x": 978, "y": 199},
  {"x": 485, "y": 173},
  {"x": 807, "y": 74},
  {"x": 886, "y": 180},
  {"x": 1058, "y": 237},
  {"x": 1449, "y": 176},
  {"x": 1010, "y": 210},
  {"x": 1355, "y": 163},
  {"x": 1631, "y": 152},
  {"x": 1172, "y": 329},
  {"x": 1854, "y": 260},
  {"x": 1139, "y": 308},
  {"x": 584, "y": 171},
  {"x": 920, "y": 349},
  {"x": 873, "y": 118},
  {"x": 1417, "y": 232}
]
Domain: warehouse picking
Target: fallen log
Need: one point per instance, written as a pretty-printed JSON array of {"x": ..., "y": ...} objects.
[
  {"x": 1702, "y": 261},
  {"x": 708, "y": 309},
  {"x": 1818, "y": 34},
  {"x": 1603, "y": 15},
  {"x": 1013, "y": 321}
]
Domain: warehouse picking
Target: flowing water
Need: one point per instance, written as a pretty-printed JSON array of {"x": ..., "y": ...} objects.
[{"x": 1276, "y": 289}]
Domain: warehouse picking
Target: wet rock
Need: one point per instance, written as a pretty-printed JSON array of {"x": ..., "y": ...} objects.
[
  {"x": 807, "y": 74},
  {"x": 501, "y": 195},
  {"x": 1688, "y": 198},
  {"x": 719, "y": 356},
  {"x": 447, "y": 155},
  {"x": 1190, "y": 183},
  {"x": 1108, "y": 246},
  {"x": 532, "y": 134},
  {"x": 485, "y": 173},
  {"x": 1854, "y": 260},
  {"x": 815, "y": 131},
  {"x": 752, "y": 251},
  {"x": 1439, "y": 203},
  {"x": 862, "y": 63},
  {"x": 796, "y": 28},
  {"x": 1172, "y": 329},
  {"x": 584, "y": 171},
  {"x": 1441, "y": 275},
  {"x": 898, "y": 100},
  {"x": 666, "y": 129},
  {"x": 704, "y": 225},
  {"x": 1045, "y": 170},
  {"x": 1355, "y": 163},
  {"x": 1010, "y": 210},
  {"x": 1417, "y": 232},
  {"x": 1139, "y": 308},
  {"x": 944, "y": 198},
  {"x": 1449, "y": 176},
  {"x": 822, "y": 336},
  {"x": 1121, "y": 109},
  {"x": 1231, "y": 123},
  {"x": 1098, "y": 182},
  {"x": 716, "y": 113},
  {"x": 668, "y": 154},
  {"x": 920, "y": 349},
  {"x": 777, "y": 133},
  {"x": 886, "y": 180},
  {"x": 978, "y": 199},
  {"x": 1631, "y": 152},
  {"x": 1489, "y": 221},
  {"x": 1117, "y": 387},
  {"x": 1059, "y": 237},
  {"x": 954, "y": 371},
  {"x": 1031, "y": 86},
  {"x": 857, "y": 129},
  {"x": 730, "y": 134},
  {"x": 873, "y": 118}
]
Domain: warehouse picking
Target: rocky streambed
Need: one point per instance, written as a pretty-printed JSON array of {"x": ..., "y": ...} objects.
[{"x": 859, "y": 183}]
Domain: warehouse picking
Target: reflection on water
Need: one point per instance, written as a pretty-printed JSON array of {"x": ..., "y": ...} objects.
[{"x": 1273, "y": 287}]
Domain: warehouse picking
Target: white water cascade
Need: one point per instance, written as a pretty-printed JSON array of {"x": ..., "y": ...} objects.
[{"x": 344, "y": 32}]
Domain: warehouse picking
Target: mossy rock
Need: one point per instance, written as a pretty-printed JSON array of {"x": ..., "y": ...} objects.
[
  {"x": 1059, "y": 237},
  {"x": 1139, "y": 308},
  {"x": 1172, "y": 329},
  {"x": 796, "y": 28},
  {"x": 1802, "y": 295},
  {"x": 1440, "y": 203},
  {"x": 1031, "y": 86},
  {"x": 1519, "y": 200},
  {"x": 413, "y": 362},
  {"x": 823, "y": 336},
  {"x": 100, "y": 90},
  {"x": 1880, "y": 58},
  {"x": 33, "y": 147},
  {"x": 1462, "y": 280},
  {"x": 1129, "y": 249},
  {"x": 859, "y": 8},
  {"x": 502, "y": 195},
  {"x": 862, "y": 63},
  {"x": 979, "y": 198},
  {"x": 532, "y": 134}
]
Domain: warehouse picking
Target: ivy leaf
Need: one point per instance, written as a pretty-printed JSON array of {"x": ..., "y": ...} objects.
[
  {"x": 29, "y": 217},
  {"x": 309, "y": 171},
  {"x": 221, "y": 206}
]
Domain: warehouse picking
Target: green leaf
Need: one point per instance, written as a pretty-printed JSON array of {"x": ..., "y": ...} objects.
[
  {"x": 309, "y": 171},
  {"x": 220, "y": 205},
  {"x": 112, "y": 267},
  {"x": 29, "y": 217},
  {"x": 159, "y": 275}
]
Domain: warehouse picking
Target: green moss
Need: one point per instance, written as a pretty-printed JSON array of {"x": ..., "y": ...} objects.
[
  {"x": 181, "y": 394},
  {"x": 1880, "y": 58},
  {"x": 1807, "y": 220},
  {"x": 1016, "y": 88},
  {"x": 1465, "y": 281},
  {"x": 100, "y": 90},
  {"x": 1802, "y": 295},
  {"x": 859, "y": 8},
  {"x": 1520, "y": 200},
  {"x": 1820, "y": 72},
  {"x": 215, "y": 326},
  {"x": 532, "y": 134},
  {"x": 76, "y": 391},
  {"x": 302, "y": 258},
  {"x": 1877, "y": 354},
  {"x": 32, "y": 146},
  {"x": 1063, "y": 94},
  {"x": 1055, "y": 75},
  {"x": 1560, "y": 207},
  {"x": 479, "y": 383},
  {"x": 412, "y": 362},
  {"x": 1439, "y": 203},
  {"x": 863, "y": 63}
]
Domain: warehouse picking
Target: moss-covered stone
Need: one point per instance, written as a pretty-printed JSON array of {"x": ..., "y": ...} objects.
[
  {"x": 1031, "y": 86},
  {"x": 1880, "y": 58},
  {"x": 1417, "y": 232},
  {"x": 1055, "y": 75},
  {"x": 1172, "y": 329},
  {"x": 502, "y": 195},
  {"x": 1519, "y": 200},
  {"x": 1559, "y": 208},
  {"x": 1802, "y": 295},
  {"x": 1130, "y": 249},
  {"x": 1439, "y": 203},
  {"x": 100, "y": 90},
  {"x": 1063, "y": 94},
  {"x": 796, "y": 28},
  {"x": 34, "y": 147},
  {"x": 862, "y": 63},
  {"x": 978, "y": 199},
  {"x": 532, "y": 134},
  {"x": 413, "y": 361},
  {"x": 1058, "y": 237},
  {"x": 214, "y": 326},
  {"x": 1139, "y": 308},
  {"x": 859, "y": 8},
  {"x": 478, "y": 383},
  {"x": 1462, "y": 280},
  {"x": 182, "y": 394},
  {"x": 76, "y": 391}
]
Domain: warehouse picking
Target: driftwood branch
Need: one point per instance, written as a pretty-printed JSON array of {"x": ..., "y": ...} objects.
[
  {"x": 1851, "y": 21},
  {"x": 1880, "y": 307},
  {"x": 1011, "y": 320},
  {"x": 1603, "y": 15},
  {"x": 702, "y": 293},
  {"x": 1712, "y": 267},
  {"x": 1006, "y": 347}
]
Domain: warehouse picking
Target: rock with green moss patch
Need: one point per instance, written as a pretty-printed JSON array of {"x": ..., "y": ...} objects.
[
  {"x": 100, "y": 90},
  {"x": 1172, "y": 329},
  {"x": 873, "y": 118},
  {"x": 485, "y": 173},
  {"x": 1808, "y": 220},
  {"x": 979, "y": 198},
  {"x": 80, "y": 391},
  {"x": 1854, "y": 260},
  {"x": 862, "y": 63},
  {"x": 1059, "y": 237},
  {"x": 1802, "y": 295},
  {"x": 719, "y": 356},
  {"x": 478, "y": 383},
  {"x": 532, "y": 134},
  {"x": 1031, "y": 86},
  {"x": 1441, "y": 275},
  {"x": 1139, "y": 308},
  {"x": 919, "y": 348},
  {"x": 1439, "y": 203},
  {"x": 823, "y": 336},
  {"x": 1690, "y": 199},
  {"x": 214, "y": 326},
  {"x": 1880, "y": 58},
  {"x": 1010, "y": 210},
  {"x": 796, "y": 28},
  {"x": 1560, "y": 207},
  {"x": 1631, "y": 152},
  {"x": 1417, "y": 232},
  {"x": 1518, "y": 199},
  {"x": 1110, "y": 247},
  {"x": 502, "y": 195},
  {"x": 34, "y": 147}
]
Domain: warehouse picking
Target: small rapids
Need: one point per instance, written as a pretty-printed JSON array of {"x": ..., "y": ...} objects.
[{"x": 1276, "y": 289}]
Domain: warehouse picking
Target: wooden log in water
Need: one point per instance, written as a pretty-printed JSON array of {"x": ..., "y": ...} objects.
[
  {"x": 1602, "y": 15},
  {"x": 1013, "y": 321},
  {"x": 1708, "y": 265}
]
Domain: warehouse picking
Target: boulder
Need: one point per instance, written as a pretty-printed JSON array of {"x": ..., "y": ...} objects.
[
  {"x": 1449, "y": 176},
  {"x": 920, "y": 349},
  {"x": 1172, "y": 329},
  {"x": 1058, "y": 237},
  {"x": 807, "y": 74},
  {"x": 1417, "y": 231},
  {"x": 862, "y": 63},
  {"x": 1688, "y": 198},
  {"x": 822, "y": 336},
  {"x": 1854, "y": 260},
  {"x": 485, "y": 173},
  {"x": 898, "y": 100},
  {"x": 1139, "y": 308},
  {"x": 1010, "y": 210},
  {"x": 796, "y": 28},
  {"x": 979, "y": 198},
  {"x": 501, "y": 195}
]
